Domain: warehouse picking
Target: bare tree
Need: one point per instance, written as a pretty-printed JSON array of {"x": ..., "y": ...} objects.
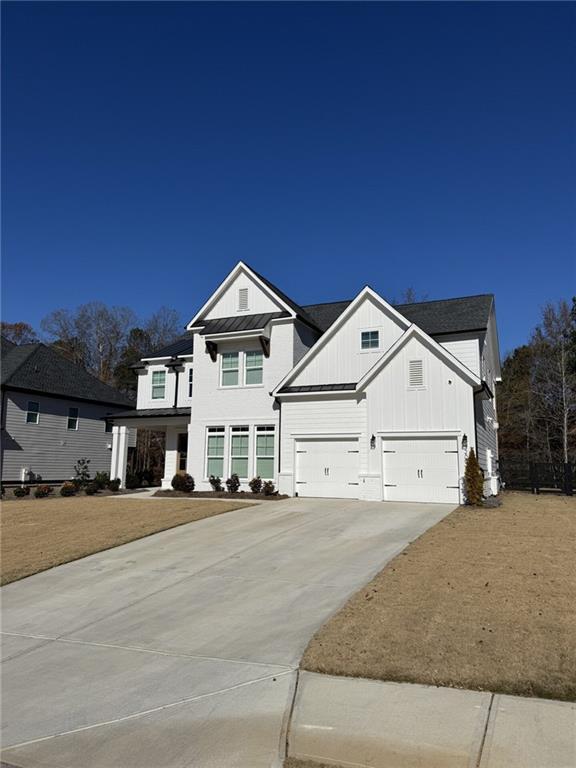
[
  {"x": 18, "y": 333},
  {"x": 163, "y": 327}
]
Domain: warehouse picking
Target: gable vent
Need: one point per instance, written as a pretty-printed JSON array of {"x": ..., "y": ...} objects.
[
  {"x": 242, "y": 299},
  {"x": 416, "y": 373}
]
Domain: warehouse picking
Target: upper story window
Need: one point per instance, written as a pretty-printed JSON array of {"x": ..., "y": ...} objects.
[
  {"x": 230, "y": 369},
  {"x": 33, "y": 412},
  {"x": 416, "y": 373},
  {"x": 370, "y": 340},
  {"x": 72, "y": 418},
  {"x": 190, "y": 381},
  {"x": 242, "y": 299},
  {"x": 109, "y": 426},
  {"x": 158, "y": 385},
  {"x": 253, "y": 367}
]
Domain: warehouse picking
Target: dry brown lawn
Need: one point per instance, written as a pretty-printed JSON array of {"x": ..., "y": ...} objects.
[
  {"x": 486, "y": 599},
  {"x": 37, "y": 534}
]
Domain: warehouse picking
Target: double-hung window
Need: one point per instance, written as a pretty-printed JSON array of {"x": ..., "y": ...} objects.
[
  {"x": 190, "y": 381},
  {"x": 370, "y": 340},
  {"x": 239, "y": 447},
  {"x": 265, "y": 437},
  {"x": 253, "y": 367},
  {"x": 230, "y": 369},
  {"x": 215, "y": 452},
  {"x": 73, "y": 418},
  {"x": 158, "y": 385},
  {"x": 32, "y": 412}
]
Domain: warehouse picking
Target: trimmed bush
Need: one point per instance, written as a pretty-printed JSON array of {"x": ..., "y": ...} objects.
[
  {"x": 233, "y": 483},
  {"x": 184, "y": 483},
  {"x": 21, "y": 491},
  {"x": 91, "y": 488},
  {"x": 132, "y": 481},
  {"x": 256, "y": 485},
  {"x": 473, "y": 480},
  {"x": 68, "y": 489},
  {"x": 42, "y": 491},
  {"x": 101, "y": 479},
  {"x": 114, "y": 485},
  {"x": 216, "y": 484},
  {"x": 268, "y": 488}
]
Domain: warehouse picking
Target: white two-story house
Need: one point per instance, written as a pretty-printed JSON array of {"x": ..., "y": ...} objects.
[{"x": 353, "y": 399}]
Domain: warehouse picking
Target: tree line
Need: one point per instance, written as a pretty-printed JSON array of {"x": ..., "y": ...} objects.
[
  {"x": 104, "y": 340},
  {"x": 536, "y": 400}
]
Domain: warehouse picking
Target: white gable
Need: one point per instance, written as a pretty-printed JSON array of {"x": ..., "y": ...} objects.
[
  {"x": 341, "y": 359},
  {"x": 243, "y": 296}
]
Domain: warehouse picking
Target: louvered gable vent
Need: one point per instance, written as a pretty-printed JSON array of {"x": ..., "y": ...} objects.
[
  {"x": 416, "y": 373},
  {"x": 242, "y": 299}
]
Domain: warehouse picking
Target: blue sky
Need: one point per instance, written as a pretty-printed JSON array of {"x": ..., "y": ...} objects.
[{"x": 149, "y": 147}]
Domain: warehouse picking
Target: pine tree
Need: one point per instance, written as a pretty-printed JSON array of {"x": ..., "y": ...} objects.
[{"x": 473, "y": 480}]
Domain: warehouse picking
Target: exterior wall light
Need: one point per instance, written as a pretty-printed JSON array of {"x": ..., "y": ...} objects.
[
  {"x": 464, "y": 442},
  {"x": 372, "y": 442}
]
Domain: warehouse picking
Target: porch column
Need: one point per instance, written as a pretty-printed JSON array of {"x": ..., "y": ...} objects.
[
  {"x": 189, "y": 453},
  {"x": 119, "y": 454},
  {"x": 171, "y": 455}
]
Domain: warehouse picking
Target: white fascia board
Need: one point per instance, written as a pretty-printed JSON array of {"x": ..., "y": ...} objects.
[
  {"x": 334, "y": 394},
  {"x": 155, "y": 359},
  {"x": 415, "y": 331},
  {"x": 235, "y": 335},
  {"x": 185, "y": 357},
  {"x": 366, "y": 292},
  {"x": 240, "y": 267}
]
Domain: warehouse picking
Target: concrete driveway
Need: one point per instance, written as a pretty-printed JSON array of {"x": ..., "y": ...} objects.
[{"x": 179, "y": 649}]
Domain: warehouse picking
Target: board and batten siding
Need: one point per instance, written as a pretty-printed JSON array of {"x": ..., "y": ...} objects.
[
  {"x": 48, "y": 448},
  {"x": 466, "y": 348},
  {"x": 310, "y": 418}
]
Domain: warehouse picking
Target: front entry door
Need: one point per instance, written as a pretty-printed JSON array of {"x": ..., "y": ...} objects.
[{"x": 182, "y": 457}]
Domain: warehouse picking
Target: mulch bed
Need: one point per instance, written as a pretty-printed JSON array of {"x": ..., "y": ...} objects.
[{"x": 241, "y": 495}]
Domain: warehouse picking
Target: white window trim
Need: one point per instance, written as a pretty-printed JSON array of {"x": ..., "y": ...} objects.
[
  {"x": 156, "y": 399},
  {"x": 34, "y": 423},
  {"x": 239, "y": 369},
  {"x": 377, "y": 330},
  {"x": 75, "y": 418},
  {"x": 424, "y": 374},
  {"x": 269, "y": 429},
  {"x": 239, "y": 429},
  {"x": 252, "y": 368},
  {"x": 221, "y": 431}
]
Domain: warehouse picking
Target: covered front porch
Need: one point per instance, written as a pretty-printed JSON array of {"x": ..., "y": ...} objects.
[{"x": 174, "y": 422}]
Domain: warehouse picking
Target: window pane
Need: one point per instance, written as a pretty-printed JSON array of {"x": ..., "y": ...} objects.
[
  {"x": 254, "y": 376},
  {"x": 265, "y": 468},
  {"x": 229, "y": 360},
  {"x": 32, "y": 417},
  {"x": 32, "y": 406},
  {"x": 239, "y": 445},
  {"x": 265, "y": 445},
  {"x": 230, "y": 378},
  {"x": 239, "y": 467},
  {"x": 216, "y": 445},
  {"x": 254, "y": 359},
  {"x": 72, "y": 423},
  {"x": 215, "y": 467}
]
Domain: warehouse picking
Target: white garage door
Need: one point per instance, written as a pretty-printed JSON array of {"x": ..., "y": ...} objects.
[
  {"x": 327, "y": 468},
  {"x": 423, "y": 469}
]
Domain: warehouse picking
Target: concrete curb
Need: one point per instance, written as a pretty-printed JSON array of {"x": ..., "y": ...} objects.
[{"x": 356, "y": 722}]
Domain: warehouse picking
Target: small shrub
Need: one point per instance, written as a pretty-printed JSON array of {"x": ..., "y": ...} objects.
[
  {"x": 216, "y": 484},
  {"x": 256, "y": 485},
  {"x": 473, "y": 480},
  {"x": 233, "y": 483},
  {"x": 68, "y": 489},
  {"x": 101, "y": 479},
  {"x": 82, "y": 472},
  {"x": 42, "y": 491},
  {"x": 114, "y": 485},
  {"x": 132, "y": 481},
  {"x": 183, "y": 483},
  {"x": 2, "y": 490},
  {"x": 91, "y": 488},
  {"x": 268, "y": 488},
  {"x": 21, "y": 491}
]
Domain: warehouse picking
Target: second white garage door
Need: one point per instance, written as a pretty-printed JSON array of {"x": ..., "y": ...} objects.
[
  {"x": 423, "y": 469},
  {"x": 327, "y": 468}
]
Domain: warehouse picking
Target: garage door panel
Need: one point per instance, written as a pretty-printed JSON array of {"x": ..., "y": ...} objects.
[
  {"x": 327, "y": 468},
  {"x": 421, "y": 469}
]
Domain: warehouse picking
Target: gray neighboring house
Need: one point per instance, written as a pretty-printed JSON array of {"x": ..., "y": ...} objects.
[{"x": 53, "y": 413}]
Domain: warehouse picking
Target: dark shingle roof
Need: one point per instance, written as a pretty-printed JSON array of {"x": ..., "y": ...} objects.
[
  {"x": 37, "y": 368},
  {"x": 303, "y": 388},
  {"x": 143, "y": 413},
  {"x": 469, "y": 313},
  {"x": 238, "y": 323},
  {"x": 182, "y": 346}
]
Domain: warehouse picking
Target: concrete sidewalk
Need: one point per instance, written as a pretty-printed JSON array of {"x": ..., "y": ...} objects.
[{"x": 357, "y": 722}]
